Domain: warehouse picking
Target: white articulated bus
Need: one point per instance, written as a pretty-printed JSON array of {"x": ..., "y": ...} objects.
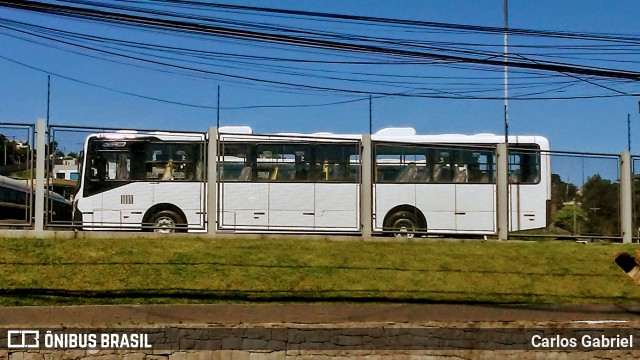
[{"x": 420, "y": 184}]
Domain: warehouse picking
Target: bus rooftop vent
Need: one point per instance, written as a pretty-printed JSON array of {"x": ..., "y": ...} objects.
[
  {"x": 236, "y": 130},
  {"x": 397, "y": 131}
]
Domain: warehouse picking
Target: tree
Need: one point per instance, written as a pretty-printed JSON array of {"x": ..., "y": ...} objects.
[
  {"x": 73, "y": 154},
  {"x": 561, "y": 193},
  {"x": 52, "y": 147},
  {"x": 571, "y": 218}
]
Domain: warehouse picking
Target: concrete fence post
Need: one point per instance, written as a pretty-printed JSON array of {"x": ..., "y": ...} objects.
[
  {"x": 366, "y": 189},
  {"x": 502, "y": 191},
  {"x": 40, "y": 181},
  {"x": 626, "y": 197},
  {"x": 212, "y": 180}
]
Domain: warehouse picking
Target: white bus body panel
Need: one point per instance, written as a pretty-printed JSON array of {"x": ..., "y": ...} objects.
[
  {"x": 125, "y": 206},
  {"x": 447, "y": 208},
  {"x": 337, "y": 206},
  {"x": 244, "y": 205},
  {"x": 437, "y": 203},
  {"x": 290, "y": 206},
  {"x": 475, "y": 208},
  {"x": 527, "y": 206}
]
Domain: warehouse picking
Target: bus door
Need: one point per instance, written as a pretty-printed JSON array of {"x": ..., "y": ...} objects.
[
  {"x": 286, "y": 168},
  {"x": 244, "y": 202},
  {"x": 473, "y": 176},
  {"x": 337, "y": 186},
  {"x": 527, "y": 190},
  {"x": 109, "y": 171},
  {"x": 436, "y": 195}
]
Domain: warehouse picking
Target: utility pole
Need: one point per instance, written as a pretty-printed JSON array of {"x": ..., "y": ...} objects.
[
  {"x": 506, "y": 71},
  {"x": 370, "y": 116},
  {"x": 218, "y": 111},
  {"x": 48, "y": 97},
  {"x": 629, "y": 132}
]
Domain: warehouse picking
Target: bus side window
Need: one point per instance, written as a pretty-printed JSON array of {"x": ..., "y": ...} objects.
[
  {"x": 524, "y": 167},
  {"x": 336, "y": 162}
]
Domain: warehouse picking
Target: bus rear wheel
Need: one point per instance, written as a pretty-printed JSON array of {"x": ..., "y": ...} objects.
[
  {"x": 166, "y": 222},
  {"x": 403, "y": 224}
]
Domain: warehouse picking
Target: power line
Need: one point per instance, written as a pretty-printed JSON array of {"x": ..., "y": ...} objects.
[{"x": 249, "y": 35}]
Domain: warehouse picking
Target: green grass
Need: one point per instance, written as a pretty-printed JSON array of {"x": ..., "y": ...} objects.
[{"x": 198, "y": 270}]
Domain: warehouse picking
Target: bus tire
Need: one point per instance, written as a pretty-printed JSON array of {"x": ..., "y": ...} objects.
[
  {"x": 403, "y": 224},
  {"x": 166, "y": 222}
]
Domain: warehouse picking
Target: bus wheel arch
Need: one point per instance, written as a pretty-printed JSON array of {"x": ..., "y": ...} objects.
[
  {"x": 403, "y": 221},
  {"x": 165, "y": 218}
]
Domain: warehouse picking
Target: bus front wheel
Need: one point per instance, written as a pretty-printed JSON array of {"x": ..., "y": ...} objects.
[
  {"x": 403, "y": 224},
  {"x": 166, "y": 222}
]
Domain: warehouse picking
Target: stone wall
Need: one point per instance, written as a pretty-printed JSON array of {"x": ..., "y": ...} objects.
[{"x": 359, "y": 340}]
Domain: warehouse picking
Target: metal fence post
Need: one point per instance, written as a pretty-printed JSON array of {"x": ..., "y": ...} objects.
[
  {"x": 212, "y": 180},
  {"x": 366, "y": 189},
  {"x": 40, "y": 180},
  {"x": 502, "y": 191},
  {"x": 626, "y": 196}
]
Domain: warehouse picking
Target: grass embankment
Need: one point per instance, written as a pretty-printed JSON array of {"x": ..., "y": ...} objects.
[{"x": 197, "y": 270}]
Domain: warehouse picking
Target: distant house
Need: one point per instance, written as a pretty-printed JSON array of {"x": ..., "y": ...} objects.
[{"x": 66, "y": 168}]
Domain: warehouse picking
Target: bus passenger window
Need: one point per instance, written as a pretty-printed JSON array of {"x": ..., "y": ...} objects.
[
  {"x": 524, "y": 167},
  {"x": 336, "y": 163},
  {"x": 283, "y": 162}
]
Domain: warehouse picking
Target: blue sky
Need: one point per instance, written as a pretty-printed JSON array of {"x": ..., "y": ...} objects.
[{"x": 594, "y": 125}]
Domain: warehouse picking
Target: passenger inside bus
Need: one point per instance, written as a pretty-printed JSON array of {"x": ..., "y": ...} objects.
[
  {"x": 301, "y": 174},
  {"x": 461, "y": 175},
  {"x": 168, "y": 171},
  {"x": 408, "y": 173},
  {"x": 442, "y": 172},
  {"x": 100, "y": 167},
  {"x": 245, "y": 174}
]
